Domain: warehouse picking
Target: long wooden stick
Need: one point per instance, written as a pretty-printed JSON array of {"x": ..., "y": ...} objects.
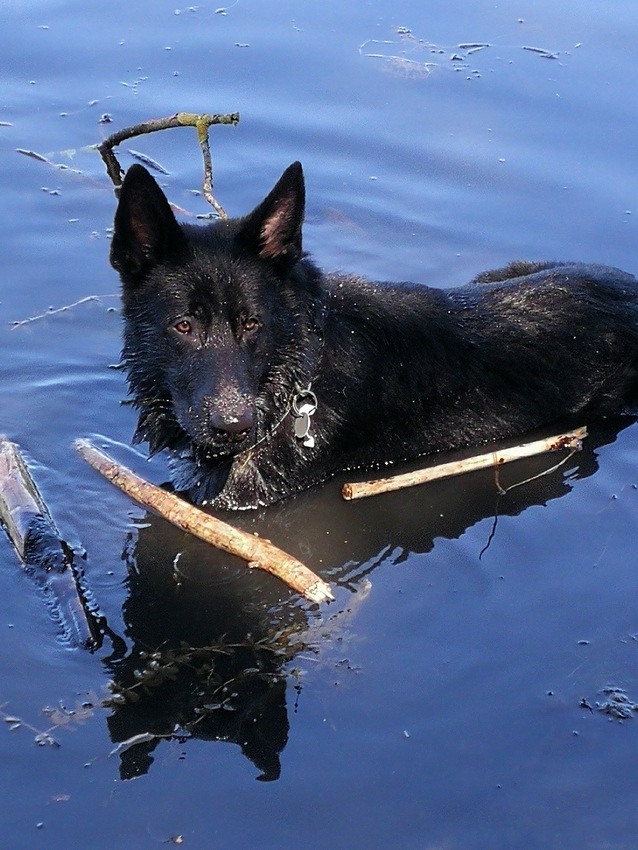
[
  {"x": 570, "y": 440},
  {"x": 43, "y": 552},
  {"x": 256, "y": 551}
]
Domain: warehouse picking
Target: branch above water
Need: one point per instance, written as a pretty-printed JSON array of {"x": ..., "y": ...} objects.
[{"x": 202, "y": 124}]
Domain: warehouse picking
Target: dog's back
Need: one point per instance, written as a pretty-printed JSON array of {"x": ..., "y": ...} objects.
[
  {"x": 435, "y": 369},
  {"x": 265, "y": 378}
]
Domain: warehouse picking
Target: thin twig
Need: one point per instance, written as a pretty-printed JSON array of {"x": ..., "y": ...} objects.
[
  {"x": 53, "y": 312},
  {"x": 570, "y": 440},
  {"x": 42, "y": 737},
  {"x": 58, "y": 166},
  {"x": 255, "y": 551},
  {"x": 201, "y": 123},
  {"x": 576, "y": 447}
]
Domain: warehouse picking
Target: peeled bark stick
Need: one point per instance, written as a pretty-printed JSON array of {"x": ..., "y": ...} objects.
[
  {"x": 570, "y": 440},
  {"x": 257, "y": 552},
  {"x": 43, "y": 552}
]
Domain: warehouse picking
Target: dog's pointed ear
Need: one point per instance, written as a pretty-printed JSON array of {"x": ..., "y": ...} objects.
[
  {"x": 145, "y": 231},
  {"x": 273, "y": 229}
]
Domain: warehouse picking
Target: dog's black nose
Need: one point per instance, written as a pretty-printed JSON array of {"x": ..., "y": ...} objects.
[{"x": 236, "y": 424}]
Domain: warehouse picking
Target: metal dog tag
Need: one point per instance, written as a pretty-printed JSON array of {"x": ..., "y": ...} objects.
[
  {"x": 304, "y": 404},
  {"x": 302, "y": 423}
]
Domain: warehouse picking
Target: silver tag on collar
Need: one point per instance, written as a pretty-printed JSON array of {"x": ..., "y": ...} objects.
[{"x": 304, "y": 405}]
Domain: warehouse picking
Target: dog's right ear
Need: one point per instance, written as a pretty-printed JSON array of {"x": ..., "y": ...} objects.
[
  {"x": 272, "y": 230},
  {"x": 145, "y": 231}
]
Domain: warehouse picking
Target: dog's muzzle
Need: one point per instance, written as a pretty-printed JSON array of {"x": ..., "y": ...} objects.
[{"x": 224, "y": 428}]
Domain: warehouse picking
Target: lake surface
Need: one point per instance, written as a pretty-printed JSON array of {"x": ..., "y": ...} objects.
[{"x": 450, "y": 697}]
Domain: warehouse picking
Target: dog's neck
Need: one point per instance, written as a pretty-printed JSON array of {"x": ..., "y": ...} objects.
[{"x": 302, "y": 402}]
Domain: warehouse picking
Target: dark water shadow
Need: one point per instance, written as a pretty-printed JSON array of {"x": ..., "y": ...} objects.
[{"x": 209, "y": 644}]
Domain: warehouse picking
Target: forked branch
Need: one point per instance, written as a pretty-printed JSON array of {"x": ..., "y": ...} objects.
[{"x": 201, "y": 123}]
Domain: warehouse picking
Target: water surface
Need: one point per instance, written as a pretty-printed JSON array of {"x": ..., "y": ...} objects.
[{"x": 450, "y": 697}]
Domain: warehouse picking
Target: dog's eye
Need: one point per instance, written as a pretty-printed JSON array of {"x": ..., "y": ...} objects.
[
  {"x": 183, "y": 326},
  {"x": 249, "y": 325}
]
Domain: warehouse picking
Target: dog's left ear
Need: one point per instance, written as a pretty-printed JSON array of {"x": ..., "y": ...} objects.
[
  {"x": 145, "y": 232},
  {"x": 273, "y": 229}
]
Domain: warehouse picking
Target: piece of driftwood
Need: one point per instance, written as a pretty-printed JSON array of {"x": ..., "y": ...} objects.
[
  {"x": 201, "y": 123},
  {"x": 257, "y": 552},
  {"x": 45, "y": 555},
  {"x": 570, "y": 440}
]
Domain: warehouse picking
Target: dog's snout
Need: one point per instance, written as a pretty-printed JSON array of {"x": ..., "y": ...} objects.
[
  {"x": 231, "y": 420},
  {"x": 235, "y": 423}
]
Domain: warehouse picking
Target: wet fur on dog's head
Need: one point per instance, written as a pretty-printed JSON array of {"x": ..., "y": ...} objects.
[{"x": 217, "y": 317}]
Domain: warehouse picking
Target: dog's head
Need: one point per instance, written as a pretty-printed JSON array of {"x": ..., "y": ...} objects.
[{"x": 214, "y": 315}]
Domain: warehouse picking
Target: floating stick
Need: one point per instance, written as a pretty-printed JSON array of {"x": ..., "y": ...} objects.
[
  {"x": 256, "y": 551},
  {"x": 571, "y": 440}
]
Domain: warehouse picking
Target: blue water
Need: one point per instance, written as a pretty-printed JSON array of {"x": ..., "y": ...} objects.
[{"x": 437, "y": 703}]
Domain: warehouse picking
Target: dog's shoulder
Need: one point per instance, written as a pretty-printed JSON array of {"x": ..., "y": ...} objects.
[{"x": 352, "y": 293}]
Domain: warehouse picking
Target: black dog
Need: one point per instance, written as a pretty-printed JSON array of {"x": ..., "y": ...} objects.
[{"x": 264, "y": 377}]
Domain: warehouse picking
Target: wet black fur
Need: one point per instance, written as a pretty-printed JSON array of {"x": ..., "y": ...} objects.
[{"x": 224, "y": 321}]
